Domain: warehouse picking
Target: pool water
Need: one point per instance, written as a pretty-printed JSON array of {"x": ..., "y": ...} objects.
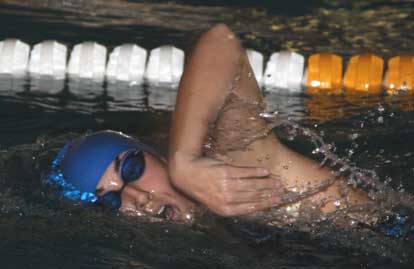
[{"x": 40, "y": 230}]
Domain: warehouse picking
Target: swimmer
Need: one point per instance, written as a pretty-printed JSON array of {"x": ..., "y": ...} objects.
[
  {"x": 217, "y": 126},
  {"x": 222, "y": 156}
]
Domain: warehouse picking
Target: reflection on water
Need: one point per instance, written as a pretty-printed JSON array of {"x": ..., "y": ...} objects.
[
  {"x": 125, "y": 96},
  {"x": 45, "y": 84},
  {"x": 85, "y": 88},
  {"x": 84, "y": 95},
  {"x": 287, "y": 105},
  {"x": 162, "y": 98},
  {"x": 11, "y": 84}
]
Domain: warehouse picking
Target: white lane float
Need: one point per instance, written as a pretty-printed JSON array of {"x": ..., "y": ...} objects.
[
  {"x": 284, "y": 71},
  {"x": 88, "y": 61},
  {"x": 256, "y": 61},
  {"x": 165, "y": 66},
  {"x": 48, "y": 58},
  {"x": 127, "y": 63},
  {"x": 14, "y": 57}
]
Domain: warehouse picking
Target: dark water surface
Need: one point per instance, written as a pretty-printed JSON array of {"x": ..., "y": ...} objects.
[{"x": 40, "y": 230}]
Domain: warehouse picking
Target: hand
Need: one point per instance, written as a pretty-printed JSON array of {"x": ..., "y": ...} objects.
[{"x": 224, "y": 189}]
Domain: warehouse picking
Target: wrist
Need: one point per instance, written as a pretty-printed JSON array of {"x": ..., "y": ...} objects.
[{"x": 179, "y": 163}]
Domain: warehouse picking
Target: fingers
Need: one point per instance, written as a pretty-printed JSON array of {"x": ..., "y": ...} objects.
[
  {"x": 254, "y": 184},
  {"x": 248, "y": 186},
  {"x": 247, "y": 208},
  {"x": 272, "y": 196},
  {"x": 245, "y": 196},
  {"x": 232, "y": 172},
  {"x": 244, "y": 209}
]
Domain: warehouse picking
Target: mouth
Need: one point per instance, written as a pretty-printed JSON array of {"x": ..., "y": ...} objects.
[{"x": 169, "y": 212}]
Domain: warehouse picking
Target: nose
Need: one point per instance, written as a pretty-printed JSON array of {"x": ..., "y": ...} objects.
[{"x": 134, "y": 198}]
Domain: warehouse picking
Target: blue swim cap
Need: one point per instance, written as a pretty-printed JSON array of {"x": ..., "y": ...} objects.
[{"x": 83, "y": 161}]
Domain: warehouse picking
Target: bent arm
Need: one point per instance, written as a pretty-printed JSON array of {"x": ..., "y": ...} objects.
[
  {"x": 208, "y": 77},
  {"x": 202, "y": 91}
]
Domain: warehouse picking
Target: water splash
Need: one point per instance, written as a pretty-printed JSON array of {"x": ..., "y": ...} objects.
[{"x": 379, "y": 191}]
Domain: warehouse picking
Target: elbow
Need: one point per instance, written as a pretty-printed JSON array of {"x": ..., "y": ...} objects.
[
  {"x": 220, "y": 35},
  {"x": 219, "y": 29}
]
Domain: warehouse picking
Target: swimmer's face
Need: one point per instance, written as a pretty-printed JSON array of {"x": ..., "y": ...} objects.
[{"x": 151, "y": 194}]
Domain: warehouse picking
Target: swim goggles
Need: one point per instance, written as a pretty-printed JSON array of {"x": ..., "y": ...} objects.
[{"x": 130, "y": 168}]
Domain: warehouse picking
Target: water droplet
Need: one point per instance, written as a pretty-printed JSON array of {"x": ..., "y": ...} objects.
[
  {"x": 380, "y": 120},
  {"x": 342, "y": 169},
  {"x": 387, "y": 180},
  {"x": 380, "y": 108},
  {"x": 268, "y": 115},
  {"x": 354, "y": 136},
  {"x": 207, "y": 146}
]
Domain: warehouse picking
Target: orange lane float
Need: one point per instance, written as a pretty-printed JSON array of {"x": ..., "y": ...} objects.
[
  {"x": 364, "y": 74},
  {"x": 324, "y": 74},
  {"x": 400, "y": 74}
]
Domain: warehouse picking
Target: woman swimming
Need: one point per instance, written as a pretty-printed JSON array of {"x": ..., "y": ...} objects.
[
  {"x": 223, "y": 154},
  {"x": 217, "y": 123}
]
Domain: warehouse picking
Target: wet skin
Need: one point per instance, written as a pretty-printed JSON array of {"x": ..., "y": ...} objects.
[
  {"x": 219, "y": 66},
  {"x": 151, "y": 194},
  {"x": 233, "y": 183}
]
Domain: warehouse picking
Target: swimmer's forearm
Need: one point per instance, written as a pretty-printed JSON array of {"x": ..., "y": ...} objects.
[{"x": 207, "y": 77}]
